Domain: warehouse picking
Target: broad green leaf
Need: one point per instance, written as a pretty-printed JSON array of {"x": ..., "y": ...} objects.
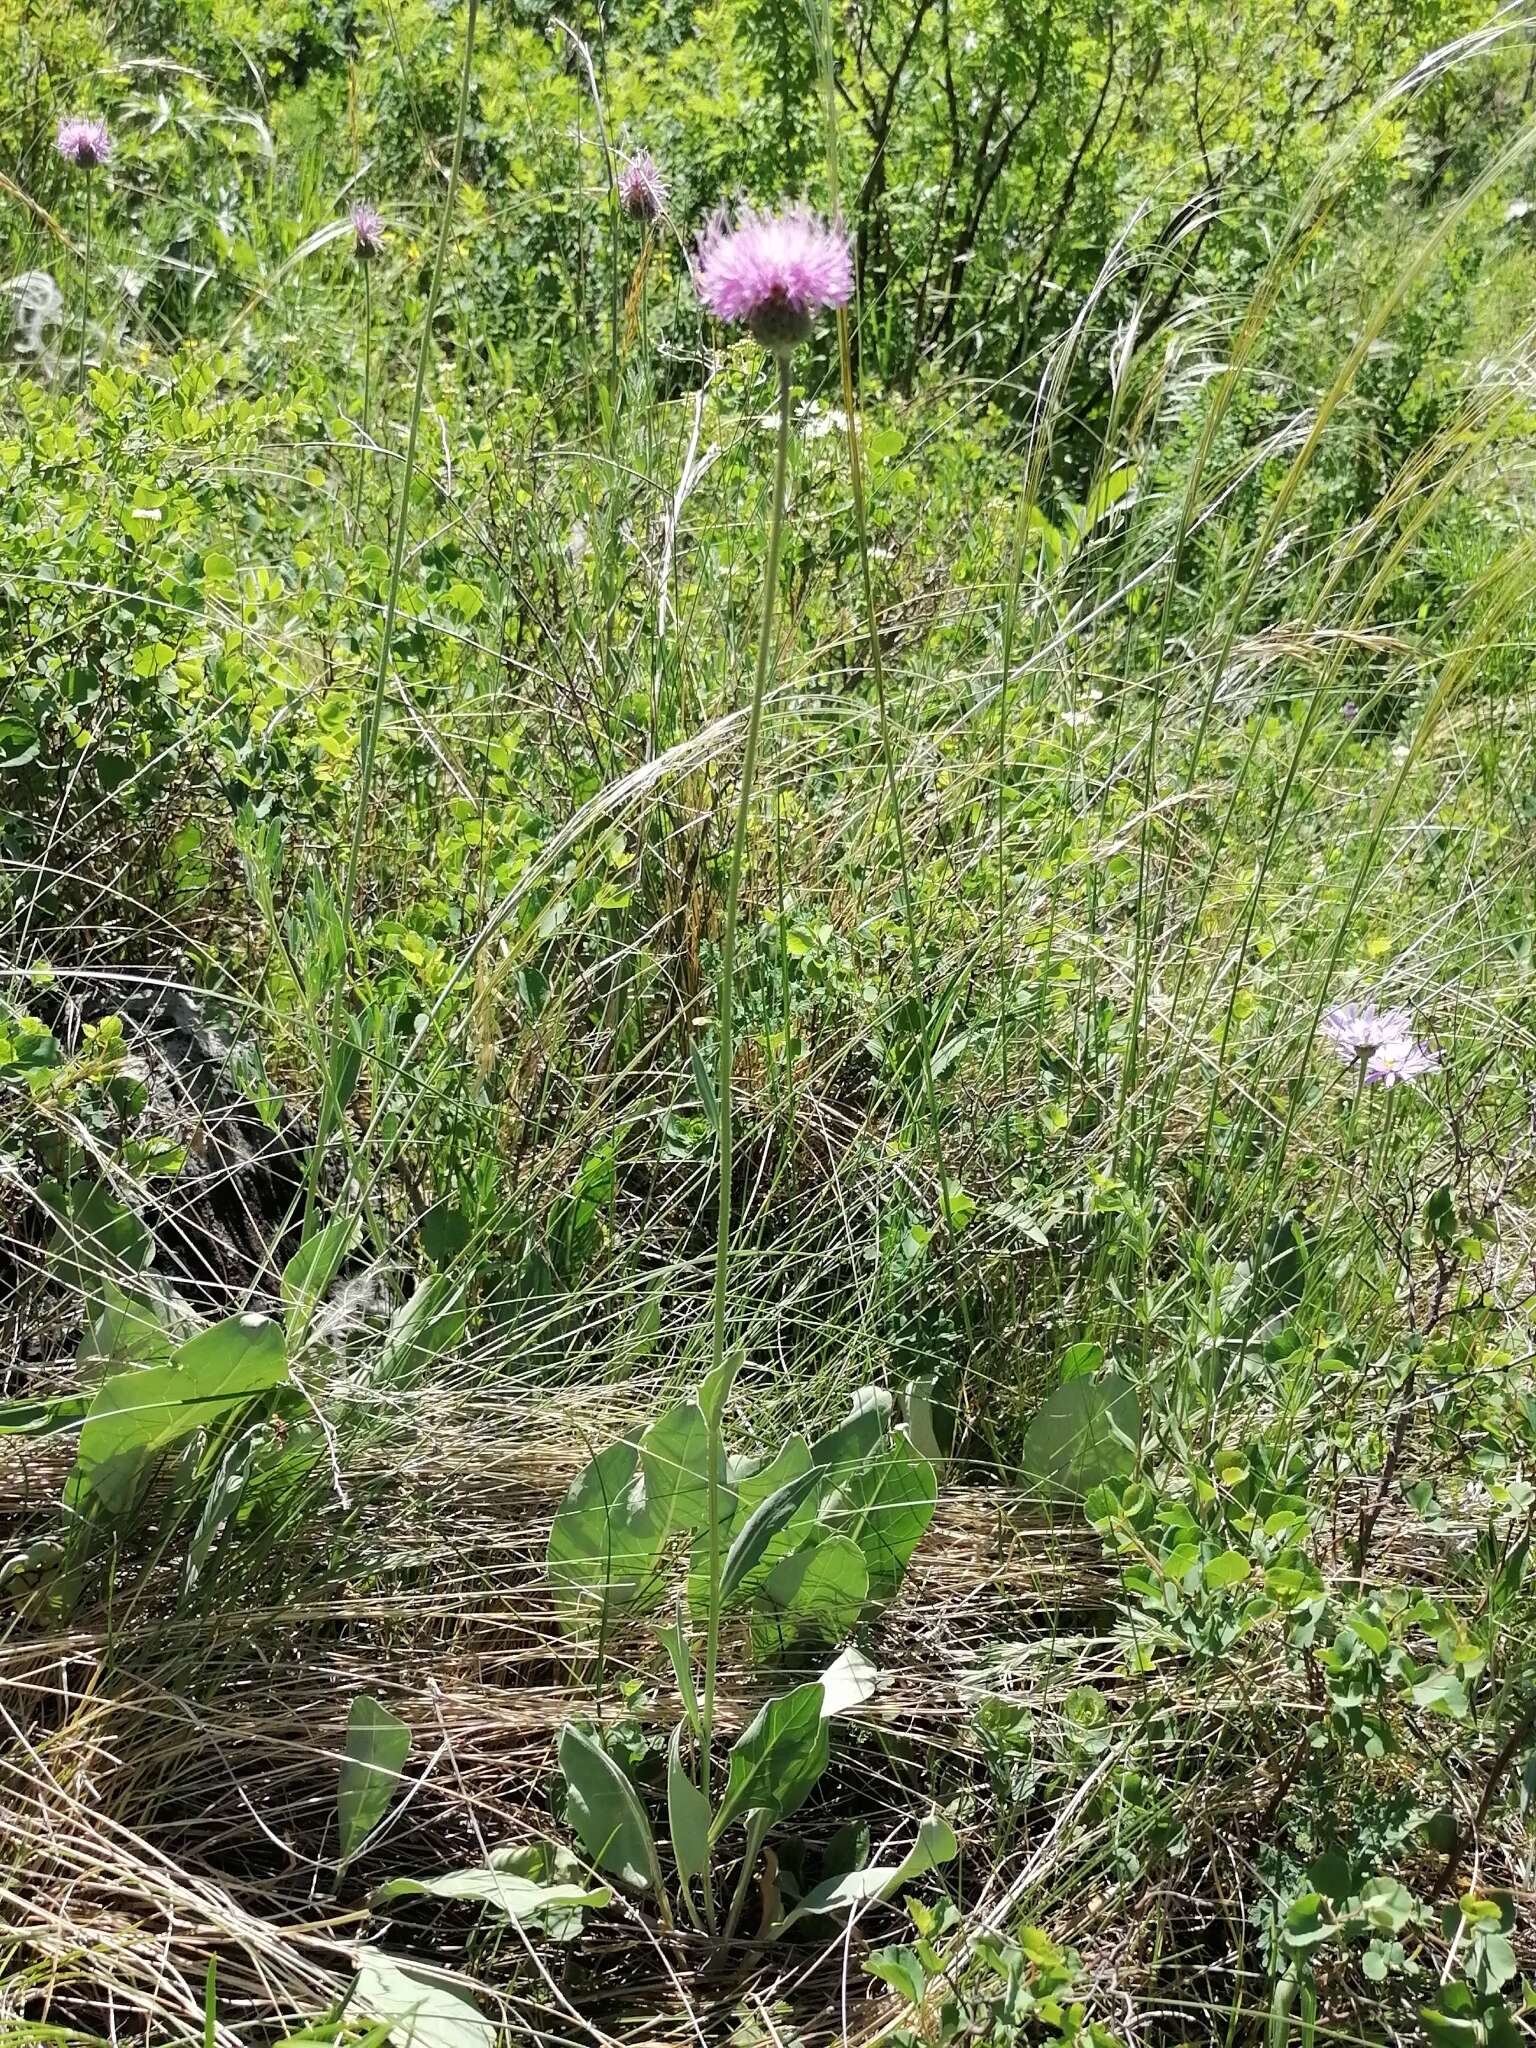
[
  {"x": 242, "y": 1355},
  {"x": 426, "y": 2008},
  {"x": 885, "y": 1507},
  {"x": 687, "y": 1816},
  {"x": 852, "y": 1440},
  {"x": 422, "y": 1329},
  {"x": 920, "y": 1404},
  {"x": 124, "y": 1329},
  {"x": 674, "y": 1459},
  {"x": 752, "y": 1480},
  {"x": 1309, "y": 1922},
  {"x": 1228, "y": 1568},
  {"x": 1387, "y": 1905},
  {"x": 900, "y": 1969},
  {"x": 1081, "y": 1361},
  {"x": 19, "y": 742},
  {"x": 95, "y": 1237},
  {"x": 377, "y": 1746},
  {"x": 1085, "y": 1433},
  {"x": 136, "y": 1417},
  {"x": 777, "y": 1758},
  {"x": 605, "y": 1811},
  {"x": 1107, "y": 493},
  {"x": 819, "y": 1590},
  {"x": 935, "y": 1844},
  {"x": 309, "y": 1273},
  {"x": 552, "y": 1865},
  {"x": 847, "y": 1682},
  {"x": 1442, "y": 1692},
  {"x": 715, "y": 1387},
  {"x": 602, "y": 1544},
  {"x": 521, "y": 1898},
  {"x": 750, "y": 1545}
]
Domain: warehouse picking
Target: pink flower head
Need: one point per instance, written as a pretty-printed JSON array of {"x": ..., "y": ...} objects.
[
  {"x": 1401, "y": 1060},
  {"x": 84, "y": 141},
  {"x": 642, "y": 189},
  {"x": 1355, "y": 1030},
  {"x": 367, "y": 232},
  {"x": 773, "y": 272}
]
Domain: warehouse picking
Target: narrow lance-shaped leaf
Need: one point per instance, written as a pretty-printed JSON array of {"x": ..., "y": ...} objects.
[
  {"x": 935, "y": 1844},
  {"x": 309, "y": 1273},
  {"x": 687, "y": 1820},
  {"x": 777, "y": 1759},
  {"x": 521, "y": 1898},
  {"x": 750, "y": 1546},
  {"x": 378, "y": 1743},
  {"x": 606, "y": 1813}
]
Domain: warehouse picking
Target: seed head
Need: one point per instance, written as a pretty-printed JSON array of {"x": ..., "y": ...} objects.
[
  {"x": 642, "y": 189},
  {"x": 84, "y": 141},
  {"x": 773, "y": 273}
]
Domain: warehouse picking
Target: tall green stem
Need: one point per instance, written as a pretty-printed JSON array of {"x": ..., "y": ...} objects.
[
  {"x": 724, "y": 1068},
  {"x": 85, "y": 290},
  {"x": 397, "y": 563},
  {"x": 362, "y": 460}
]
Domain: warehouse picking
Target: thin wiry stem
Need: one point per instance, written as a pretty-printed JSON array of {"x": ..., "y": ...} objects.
[{"x": 724, "y": 1067}]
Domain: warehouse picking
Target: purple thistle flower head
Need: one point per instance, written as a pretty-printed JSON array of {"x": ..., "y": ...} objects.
[
  {"x": 642, "y": 189},
  {"x": 1400, "y": 1060},
  {"x": 773, "y": 272},
  {"x": 84, "y": 141},
  {"x": 367, "y": 232},
  {"x": 1355, "y": 1030}
]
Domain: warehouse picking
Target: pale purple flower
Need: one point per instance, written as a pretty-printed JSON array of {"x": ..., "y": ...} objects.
[
  {"x": 642, "y": 189},
  {"x": 84, "y": 141},
  {"x": 1355, "y": 1030},
  {"x": 367, "y": 231},
  {"x": 1404, "y": 1059},
  {"x": 773, "y": 273}
]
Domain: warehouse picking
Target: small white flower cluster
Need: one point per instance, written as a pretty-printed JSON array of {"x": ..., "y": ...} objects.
[{"x": 1383, "y": 1039}]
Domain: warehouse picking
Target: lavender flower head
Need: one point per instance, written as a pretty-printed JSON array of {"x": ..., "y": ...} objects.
[
  {"x": 1355, "y": 1030},
  {"x": 84, "y": 141},
  {"x": 1382, "y": 1039},
  {"x": 367, "y": 232},
  {"x": 1401, "y": 1060},
  {"x": 773, "y": 273},
  {"x": 642, "y": 189}
]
